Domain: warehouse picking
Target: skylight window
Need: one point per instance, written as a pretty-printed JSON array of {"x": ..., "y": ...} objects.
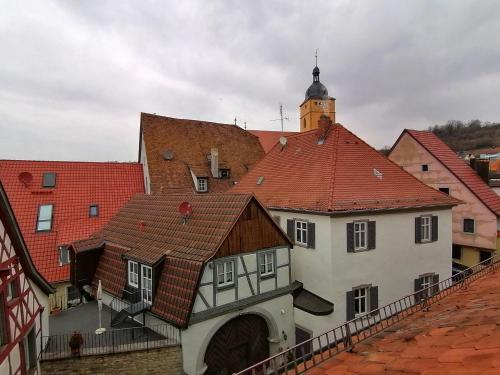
[
  {"x": 260, "y": 180},
  {"x": 49, "y": 180},
  {"x": 93, "y": 210}
]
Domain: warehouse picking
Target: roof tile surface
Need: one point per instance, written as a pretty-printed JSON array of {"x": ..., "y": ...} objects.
[
  {"x": 190, "y": 143},
  {"x": 459, "y": 335},
  {"x": 437, "y": 148},
  {"x": 78, "y": 185},
  {"x": 268, "y": 138},
  {"x": 342, "y": 173}
]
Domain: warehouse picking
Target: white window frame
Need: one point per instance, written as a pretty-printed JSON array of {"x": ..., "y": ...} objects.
[
  {"x": 63, "y": 249},
  {"x": 425, "y": 228},
  {"x": 301, "y": 231},
  {"x": 45, "y": 220},
  {"x": 427, "y": 281},
  {"x": 202, "y": 184},
  {"x": 474, "y": 225},
  {"x": 147, "y": 284},
  {"x": 224, "y": 273},
  {"x": 133, "y": 277},
  {"x": 360, "y": 235},
  {"x": 363, "y": 293},
  {"x": 266, "y": 264}
]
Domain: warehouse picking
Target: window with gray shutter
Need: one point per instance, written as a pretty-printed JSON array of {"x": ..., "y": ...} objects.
[
  {"x": 371, "y": 235},
  {"x": 418, "y": 230},
  {"x": 290, "y": 229},
  {"x": 350, "y": 237},
  {"x": 434, "y": 228},
  {"x": 349, "y": 305},
  {"x": 311, "y": 235},
  {"x": 373, "y": 298}
]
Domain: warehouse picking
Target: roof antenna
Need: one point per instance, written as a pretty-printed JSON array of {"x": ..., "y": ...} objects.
[
  {"x": 316, "y": 56},
  {"x": 245, "y": 125},
  {"x": 281, "y": 117},
  {"x": 235, "y": 121}
]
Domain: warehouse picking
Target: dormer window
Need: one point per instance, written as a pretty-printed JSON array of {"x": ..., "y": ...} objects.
[
  {"x": 202, "y": 185},
  {"x": 224, "y": 173},
  {"x": 49, "y": 180}
]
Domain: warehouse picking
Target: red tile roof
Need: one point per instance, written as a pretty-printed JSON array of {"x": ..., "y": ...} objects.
[
  {"x": 341, "y": 174},
  {"x": 437, "y": 148},
  {"x": 268, "y": 138},
  {"x": 190, "y": 143},
  {"x": 151, "y": 230},
  {"x": 78, "y": 185},
  {"x": 459, "y": 335}
]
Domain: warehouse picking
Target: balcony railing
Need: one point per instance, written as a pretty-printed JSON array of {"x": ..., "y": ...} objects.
[
  {"x": 109, "y": 342},
  {"x": 345, "y": 337}
]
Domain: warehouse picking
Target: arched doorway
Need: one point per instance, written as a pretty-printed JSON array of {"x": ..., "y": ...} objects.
[{"x": 238, "y": 344}]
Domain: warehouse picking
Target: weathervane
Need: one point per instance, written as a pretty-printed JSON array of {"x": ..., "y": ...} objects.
[{"x": 316, "y": 56}]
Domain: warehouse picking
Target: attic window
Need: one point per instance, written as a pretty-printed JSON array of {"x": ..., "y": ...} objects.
[
  {"x": 93, "y": 210},
  {"x": 224, "y": 173},
  {"x": 202, "y": 185},
  {"x": 49, "y": 180},
  {"x": 425, "y": 167}
]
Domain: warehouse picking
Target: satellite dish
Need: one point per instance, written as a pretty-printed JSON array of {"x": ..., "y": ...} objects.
[
  {"x": 283, "y": 141},
  {"x": 168, "y": 155},
  {"x": 25, "y": 178},
  {"x": 185, "y": 209}
]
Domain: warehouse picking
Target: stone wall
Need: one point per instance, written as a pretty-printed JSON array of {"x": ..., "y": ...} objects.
[{"x": 156, "y": 361}]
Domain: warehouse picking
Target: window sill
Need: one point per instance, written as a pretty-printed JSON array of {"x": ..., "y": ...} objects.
[
  {"x": 267, "y": 276},
  {"x": 225, "y": 287},
  {"x": 304, "y": 245},
  {"x": 361, "y": 250}
]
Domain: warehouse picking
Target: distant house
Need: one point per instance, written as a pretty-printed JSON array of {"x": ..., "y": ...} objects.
[
  {"x": 57, "y": 203},
  {"x": 23, "y": 299},
  {"x": 221, "y": 275},
  {"x": 365, "y": 232},
  {"x": 194, "y": 156},
  {"x": 475, "y": 223},
  {"x": 269, "y": 138}
]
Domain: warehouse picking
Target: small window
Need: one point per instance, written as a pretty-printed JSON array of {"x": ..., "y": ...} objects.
[
  {"x": 426, "y": 230},
  {"x": 3, "y": 322},
  {"x": 425, "y": 167},
  {"x": 445, "y": 190},
  {"x": 426, "y": 281},
  {"x": 94, "y": 210},
  {"x": 49, "y": 180},
  {"x": 266, "y": 261},
  {"x": 484, "y": 256},
  {"x": 133, "y": 274},
  {"x": 360, "y": 235},
  {"x": 469, "y": 226},
  {"x": 224, "y": 173},
  {"x": 63, "y": 255},
  {"x": 304, "y": 123},
  {"x": 202, "y": 185},
  {"x": 225, "y": 273},
  {"x": 44, "y": 218},
  {"x": 301, "y": 232},
  {"x": 360, "y": 301},
  {"x": 456, "y": 252},
  {"x": 13, "y": 289}
]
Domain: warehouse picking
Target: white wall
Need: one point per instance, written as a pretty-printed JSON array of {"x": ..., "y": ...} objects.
[
  {"x": 277, "y": 312},
  {"x": 330, "y": 271},
  {"x": 242, "y": 289}
]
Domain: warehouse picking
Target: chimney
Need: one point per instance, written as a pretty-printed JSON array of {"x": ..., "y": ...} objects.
[
  {"x": 483, "y": 169},
  {"x": 214, "y": 162},
  {"x": 324, "y": 126}
]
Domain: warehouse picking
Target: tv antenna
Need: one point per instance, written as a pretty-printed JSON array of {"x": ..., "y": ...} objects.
[
  {"x": 235, "y": 121},
  {"x": 281, "y": 117}
]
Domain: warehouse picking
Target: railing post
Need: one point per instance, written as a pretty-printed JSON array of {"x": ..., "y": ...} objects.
[{"x": 348, "y": 338}]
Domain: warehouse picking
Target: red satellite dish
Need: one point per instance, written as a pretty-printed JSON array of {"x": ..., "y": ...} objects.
[
  {"x": 185, "y": 209},
  {"x": 25, "y": 178}
]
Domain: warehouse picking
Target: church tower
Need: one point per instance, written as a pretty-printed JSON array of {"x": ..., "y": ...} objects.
[{"x": 316, "y": 103}]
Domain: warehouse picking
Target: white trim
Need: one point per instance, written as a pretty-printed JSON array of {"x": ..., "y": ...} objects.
[
  {"x": 426, "y": 223},
  {"x": 225, "y": 269},
  {"x": 302, "y": 231},
  {"x": 365, "y": 296},
  {"x": 131, "y": 272},
  {"x": 147, "y": 283},
  {"x": 362, "y": 233}
]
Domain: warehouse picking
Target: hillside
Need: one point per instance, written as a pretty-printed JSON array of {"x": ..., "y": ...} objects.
[{"x": 470, "y": 136}]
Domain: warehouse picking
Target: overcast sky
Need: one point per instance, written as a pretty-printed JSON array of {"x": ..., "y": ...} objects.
[{"x": 75, "y": 75}]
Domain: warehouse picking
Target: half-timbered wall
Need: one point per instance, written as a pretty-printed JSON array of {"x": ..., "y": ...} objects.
[
  {"x": 248, "y": 283},
  {"x": 23, "y": 312}
]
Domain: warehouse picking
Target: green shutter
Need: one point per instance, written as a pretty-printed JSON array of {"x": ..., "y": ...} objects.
[
  {"x": 311, "y": 235},
  {"x": 350, "y": 237},
  {"x": 290, "y": 229},
  {"x": 349, "y": 305}
]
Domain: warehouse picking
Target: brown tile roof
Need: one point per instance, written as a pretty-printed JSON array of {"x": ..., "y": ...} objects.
[
  {"x": 190, "y": 142},
  {"x": 341, "y": 174},
  {"x": 268, "y": 138},
  {"x": 437, "y": 148},
  {"x": 459, "y": 335},
  {"x": 151, "y": 230}
]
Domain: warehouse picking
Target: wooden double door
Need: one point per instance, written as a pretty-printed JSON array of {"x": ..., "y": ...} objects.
[{"x": 238, "y": 344}]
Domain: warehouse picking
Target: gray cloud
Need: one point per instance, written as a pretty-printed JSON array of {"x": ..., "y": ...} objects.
[{"x": 75, "y": 75}]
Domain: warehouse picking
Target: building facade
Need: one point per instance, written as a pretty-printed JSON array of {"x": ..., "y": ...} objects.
[
  {"x": 23, "y": 300},
  {"x": 475, "y": 222}
]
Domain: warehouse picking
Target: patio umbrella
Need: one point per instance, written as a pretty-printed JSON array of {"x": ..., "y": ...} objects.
[{"x": 99, "y": 330}]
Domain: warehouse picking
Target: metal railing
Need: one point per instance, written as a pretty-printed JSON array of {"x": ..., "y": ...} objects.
[
  {"x": 109, "y": 342},
  {"x": 306, "y": 355}
]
